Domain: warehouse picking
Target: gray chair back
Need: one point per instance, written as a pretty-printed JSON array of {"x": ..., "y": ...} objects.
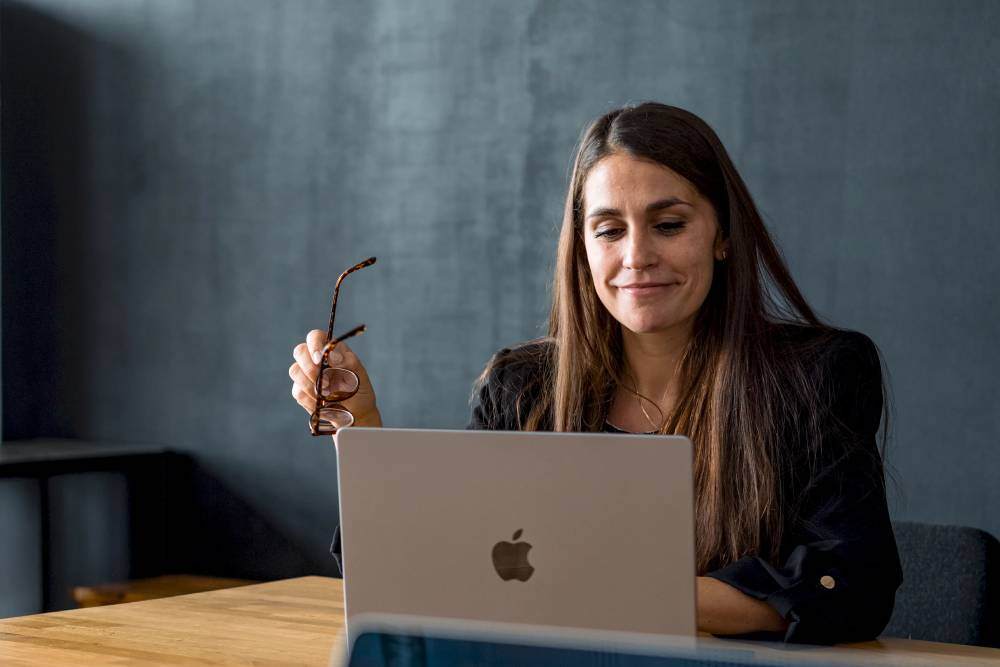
[{"x": 950, "y": 590}]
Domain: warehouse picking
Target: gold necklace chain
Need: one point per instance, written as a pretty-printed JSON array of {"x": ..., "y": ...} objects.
[{"x": 657, "y": 427}]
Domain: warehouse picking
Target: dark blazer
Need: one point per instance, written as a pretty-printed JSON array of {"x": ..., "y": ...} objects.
[{"x": 839, "y": 569}]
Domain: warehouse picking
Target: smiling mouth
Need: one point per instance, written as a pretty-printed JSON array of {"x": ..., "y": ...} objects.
[{"x": 646, "y": 289}]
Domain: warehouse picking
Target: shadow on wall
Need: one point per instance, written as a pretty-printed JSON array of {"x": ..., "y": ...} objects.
[
  {"x": 46, "y": 213},
  {"x": 52, "y": 203},
  {"x": 212, "y": 531},
  {"x": 55, "y": 212}
]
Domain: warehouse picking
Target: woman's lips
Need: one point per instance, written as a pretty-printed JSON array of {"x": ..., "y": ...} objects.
[{"x": 646, "y": 290}]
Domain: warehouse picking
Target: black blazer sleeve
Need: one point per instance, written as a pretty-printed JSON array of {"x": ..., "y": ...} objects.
[
  {"x": 840, "y": 568},
  {"x": 485, "y": 402},
  {"x": 493, "y": 402}
]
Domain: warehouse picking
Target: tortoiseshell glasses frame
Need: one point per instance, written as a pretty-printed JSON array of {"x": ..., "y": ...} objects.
[{"x": 328, "y": 415}]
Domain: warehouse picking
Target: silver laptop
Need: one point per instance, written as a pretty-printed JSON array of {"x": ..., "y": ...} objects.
[{"x": 578, "y": 530}]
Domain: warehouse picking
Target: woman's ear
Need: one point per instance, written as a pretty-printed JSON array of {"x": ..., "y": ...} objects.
[{"x": 721, "y": 248}]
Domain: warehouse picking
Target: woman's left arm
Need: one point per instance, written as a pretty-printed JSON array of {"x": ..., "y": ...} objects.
[
  {"x": 724, "y": 610},
  {"x": 841, "y": 569}
]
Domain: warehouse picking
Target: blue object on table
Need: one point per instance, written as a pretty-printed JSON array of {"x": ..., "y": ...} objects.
[{"x": 390, "y": 649}]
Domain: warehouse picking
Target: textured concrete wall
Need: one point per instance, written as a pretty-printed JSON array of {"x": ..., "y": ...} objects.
[{"x": 183, "y": 181}]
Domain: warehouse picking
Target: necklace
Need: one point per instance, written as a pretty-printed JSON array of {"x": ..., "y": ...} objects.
[
  {"x": 656, "y": 427},
  {"x": 646, "y": 414}
]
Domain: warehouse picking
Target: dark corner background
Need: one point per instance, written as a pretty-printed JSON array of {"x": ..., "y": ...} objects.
[{"x": 183, "y": 181}]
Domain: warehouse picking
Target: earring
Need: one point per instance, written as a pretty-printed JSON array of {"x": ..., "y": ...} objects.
[{"x": 725, "y": 253}]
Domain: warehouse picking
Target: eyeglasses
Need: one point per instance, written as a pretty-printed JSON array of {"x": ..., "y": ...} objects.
[{"x": 335, "y": 385}]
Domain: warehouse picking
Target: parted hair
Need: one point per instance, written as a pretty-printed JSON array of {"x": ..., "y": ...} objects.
[{"x": 744, "y": 387}]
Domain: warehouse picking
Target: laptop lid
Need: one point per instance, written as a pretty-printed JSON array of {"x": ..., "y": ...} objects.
[{"x": 582, "y": 530}]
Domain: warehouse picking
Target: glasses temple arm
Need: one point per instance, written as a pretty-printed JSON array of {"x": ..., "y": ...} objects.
[{"x": 336, "y": 292}]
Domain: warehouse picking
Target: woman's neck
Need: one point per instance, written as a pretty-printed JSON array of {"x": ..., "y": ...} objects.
[{"x": 651, "y": 359}]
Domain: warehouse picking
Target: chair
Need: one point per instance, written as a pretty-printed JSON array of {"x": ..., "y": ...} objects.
[{"x": 951, "y": 585}]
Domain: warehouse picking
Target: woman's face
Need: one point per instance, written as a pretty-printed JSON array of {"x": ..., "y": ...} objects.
[{"x": 651, "y": 242}]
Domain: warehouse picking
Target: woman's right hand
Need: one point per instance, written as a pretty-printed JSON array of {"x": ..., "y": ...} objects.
[{"x": 303, "y": 373}]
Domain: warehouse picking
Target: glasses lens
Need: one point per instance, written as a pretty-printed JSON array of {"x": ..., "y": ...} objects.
[
  {"x": 339, "y": 384},
  {"x": 333, "y": 419}
]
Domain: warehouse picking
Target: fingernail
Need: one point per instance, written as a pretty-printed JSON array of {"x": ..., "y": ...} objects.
[
  {"x": 316, "y": 357},
  {"x": 336, "y": 357}
]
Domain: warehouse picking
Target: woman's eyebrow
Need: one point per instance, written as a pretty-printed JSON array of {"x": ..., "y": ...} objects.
[{"x": 658, "y": 205}]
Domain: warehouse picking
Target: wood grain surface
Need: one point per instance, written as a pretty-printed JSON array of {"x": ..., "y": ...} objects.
[
  {"x": 290, "y": 622},
  {"x": 300, "y": 621}
]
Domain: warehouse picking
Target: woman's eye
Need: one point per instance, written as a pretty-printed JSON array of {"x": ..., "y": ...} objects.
[{"x": 668, "y": 227}]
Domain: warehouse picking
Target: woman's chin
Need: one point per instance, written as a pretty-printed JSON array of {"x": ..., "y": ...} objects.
[{"x": 650, "y": 326}]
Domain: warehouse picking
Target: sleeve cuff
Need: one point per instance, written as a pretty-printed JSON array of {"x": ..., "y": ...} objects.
[{"x": 807, "y": 577}]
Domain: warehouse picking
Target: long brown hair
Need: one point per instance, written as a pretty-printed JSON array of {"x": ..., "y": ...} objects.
[{"x": 742, "y": 389}]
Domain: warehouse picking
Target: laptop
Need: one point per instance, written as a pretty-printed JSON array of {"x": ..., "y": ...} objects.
[{"x": 571, "y": 530}]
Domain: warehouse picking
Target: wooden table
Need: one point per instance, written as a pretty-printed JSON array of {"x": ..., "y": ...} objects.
[
  {"x": 291, "y": 622},
  {"x": 299, "y": 622}
]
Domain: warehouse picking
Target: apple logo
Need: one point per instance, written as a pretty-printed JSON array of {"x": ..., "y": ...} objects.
[{"x": 511, "y": 559}]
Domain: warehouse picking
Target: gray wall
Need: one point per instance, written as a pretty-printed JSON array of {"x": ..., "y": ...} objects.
[{"x": 184, "y": 181}]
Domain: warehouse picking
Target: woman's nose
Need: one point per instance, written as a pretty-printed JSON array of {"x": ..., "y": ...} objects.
[{"x": 639, "y": 253}]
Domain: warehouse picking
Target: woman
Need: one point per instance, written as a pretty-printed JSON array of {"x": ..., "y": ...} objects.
[{"x": 673, "y": 312}]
